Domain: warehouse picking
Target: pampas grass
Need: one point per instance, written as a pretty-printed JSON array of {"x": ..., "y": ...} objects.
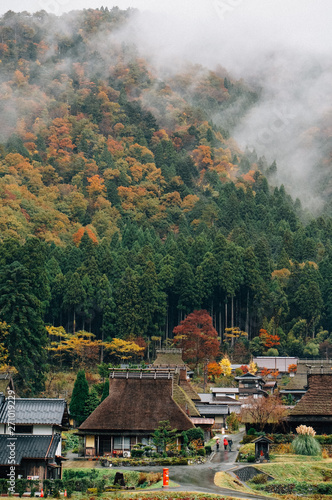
[{"x": 305, "y": 442}]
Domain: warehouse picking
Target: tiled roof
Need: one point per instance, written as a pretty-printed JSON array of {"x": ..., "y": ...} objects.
[
  {"x": 206, "y": 398},
  {"x": 35, "y": 411},
  {"x": 202, "y": 421},
  {"x": 137, "y": 404},
  {"x": 212, "y": 409},
  {"x": 28, "y": 447},
  {"x": 318, "y": 399}
]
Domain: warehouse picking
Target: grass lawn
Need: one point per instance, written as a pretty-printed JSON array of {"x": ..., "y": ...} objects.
[
  {"x": 225, "y": 480},
  {"x": 299, "y": 467}
]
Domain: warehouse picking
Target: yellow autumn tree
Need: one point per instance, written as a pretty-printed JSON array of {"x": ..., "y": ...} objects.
[
  {"x": 225, "y": 366},
  {"x": 252, "y": 368},
  {"x": 123, "y": 349},
  {"x": 81, "y": 348}
]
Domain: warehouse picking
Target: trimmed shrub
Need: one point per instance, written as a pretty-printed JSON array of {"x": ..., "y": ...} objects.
[
  {"x": 137, "y": 452},
  {"x": 251, "y": 432},
  {"x": 201, "y": 452},
  {"x": 251, "y": 458},
  {"x": 208, "y": 449}
]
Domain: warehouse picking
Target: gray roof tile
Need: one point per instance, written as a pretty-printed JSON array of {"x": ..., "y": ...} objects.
[
  {"x": 35, "y": 411},
  {"x": 28, "y": 447}
]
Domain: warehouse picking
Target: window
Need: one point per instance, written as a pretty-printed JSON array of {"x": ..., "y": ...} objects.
[{"x": 118, "y": 443}]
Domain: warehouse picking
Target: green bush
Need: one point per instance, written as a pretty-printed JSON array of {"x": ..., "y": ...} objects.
[
  {"x": 281, "y": 438},
  {"x": 251, "y": 458},
  {"x": 324, "y": 439},
  {"x": 251, "y": 432},
  {"x": 304, "y": 444},
  {"x": 324, "y": 489},
  {"x": 208, "y": 449},
  {"x": 247, "y": 439},
  {"x": 201, "y": 452},
  {"x": 137, "y": 453}
]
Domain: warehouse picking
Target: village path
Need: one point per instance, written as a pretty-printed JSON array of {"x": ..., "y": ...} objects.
[{"x": 200, "y": 478}]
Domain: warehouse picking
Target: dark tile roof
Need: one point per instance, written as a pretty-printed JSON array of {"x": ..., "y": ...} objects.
[
  {"x": 35, "y": 411},
  {"x": 318, "y": 399},
  {"x": 43, "y": 447},
  {"x": 137, "y": 404}
]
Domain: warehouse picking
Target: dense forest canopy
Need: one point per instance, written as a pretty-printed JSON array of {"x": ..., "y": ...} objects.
[{"x": 124, "y": 208}]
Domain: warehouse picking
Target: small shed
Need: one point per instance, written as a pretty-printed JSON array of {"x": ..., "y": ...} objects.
[{"x": 262, "y": 448}]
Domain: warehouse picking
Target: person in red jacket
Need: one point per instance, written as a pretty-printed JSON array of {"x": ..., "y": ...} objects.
[{"x": 225, "y": 443}]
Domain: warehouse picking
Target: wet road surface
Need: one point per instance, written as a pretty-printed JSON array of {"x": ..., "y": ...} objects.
[{"x": 200, "y": 478}]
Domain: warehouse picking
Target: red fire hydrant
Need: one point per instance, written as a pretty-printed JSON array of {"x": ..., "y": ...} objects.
[{"x": 165, "y": 478}]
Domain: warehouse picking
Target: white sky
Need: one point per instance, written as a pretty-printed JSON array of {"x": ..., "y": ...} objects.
[{"x": 306, "y": 22}]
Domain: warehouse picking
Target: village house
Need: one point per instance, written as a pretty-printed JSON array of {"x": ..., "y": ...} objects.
[
  {"x": 251, "y": 385},
  {"x": 315, "y": 407},
  {"x": 35, "y": 425},
  {"x": 218, "y": 404},
  {"x": 138, "y": 401}
]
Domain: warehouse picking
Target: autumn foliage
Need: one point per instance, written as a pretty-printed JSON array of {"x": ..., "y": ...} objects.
[
  {"x": 197, "y": 337},
  {"x": 79, "y": 234},
  {"x": 213, "y": 370},
  {"x": 268, "y": 340}
]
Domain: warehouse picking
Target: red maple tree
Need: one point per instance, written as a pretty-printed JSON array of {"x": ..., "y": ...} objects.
[{"x": 197, "y": 337}]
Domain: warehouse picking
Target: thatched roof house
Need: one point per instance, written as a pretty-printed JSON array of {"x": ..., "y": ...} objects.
[
  {"x": 137, "y": 402},
  {"x": 315, "y": 407}
]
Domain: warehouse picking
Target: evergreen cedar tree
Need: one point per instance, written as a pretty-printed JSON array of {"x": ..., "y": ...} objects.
[
  {"x": 79, "y": 398},
  {"x": 116, "y": 218},
  {"x": 197, "y": 337}
]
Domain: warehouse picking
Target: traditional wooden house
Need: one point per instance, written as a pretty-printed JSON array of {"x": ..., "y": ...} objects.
[
  {"x": 251, "y": 385},
  {"x": 315, "y": 407},
  {"x": 34, "y": 457},
  {"x": 34, "y": 426},
  {"x": 138, "y": 401}
]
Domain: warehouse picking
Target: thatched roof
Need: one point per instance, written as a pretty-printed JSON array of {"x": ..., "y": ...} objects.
[
  {"x": 318, "y": 399},
  {"x": 168, "y": 357},
  {"x": 137, "y": 403},
  {"x": 184, "y": 401}
]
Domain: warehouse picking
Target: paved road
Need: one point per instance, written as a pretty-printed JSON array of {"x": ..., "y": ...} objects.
[{"x": 201, "y": 477}]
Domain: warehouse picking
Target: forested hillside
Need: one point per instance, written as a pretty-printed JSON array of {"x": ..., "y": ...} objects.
[{"x": 124, "y": 208}]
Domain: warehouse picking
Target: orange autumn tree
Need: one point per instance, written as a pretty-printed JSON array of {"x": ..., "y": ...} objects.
[
  {"x": 79, "y": 235},
  {"x": 265, "y": 372},
  {"x": 268, "y": 340},
  {"x": 213, "y": 370}
]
